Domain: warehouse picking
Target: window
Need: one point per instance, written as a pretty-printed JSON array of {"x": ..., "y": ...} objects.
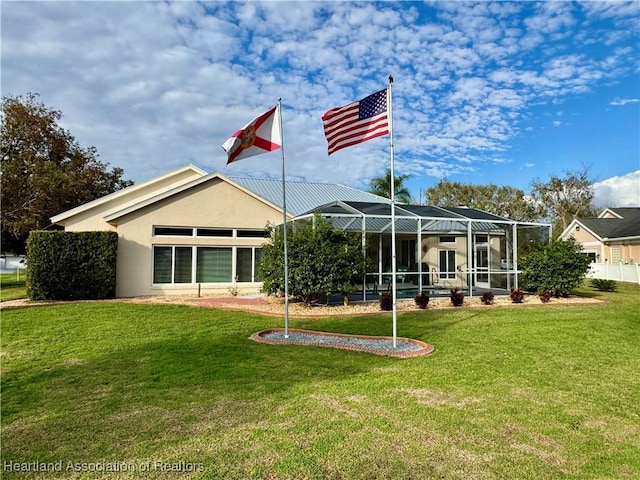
[
  {"x": 214, "y": 265},
  {"x": 214, "y": 232},
  {"x": 447, "y": 239},
  {"x": 172, "y": 264},
  {"x": 247, "y": 261},
  {"x": 252, "y": 234},
  {"x": 447, "y": 264},
  {"x": 179, "y": 264},
  {"x": 182, "y": 265},
  {"x": 244, "y": 265},
  {"x": 207, "y": 232},
  {"x": 173, "y": 231},
  {"x": 162, "y": 264},
  {"x": 257, "y": 254}
]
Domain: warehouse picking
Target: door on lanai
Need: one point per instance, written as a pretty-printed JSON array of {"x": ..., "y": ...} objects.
[
  {"x": 481, "y": 261},
  {"x": 407, "y": 260}
]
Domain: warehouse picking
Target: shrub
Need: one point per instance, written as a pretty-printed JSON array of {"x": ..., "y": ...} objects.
[
  {"x": 422, "y": 300},
  {"x": 71, "y": 265},
  {"x": 457, "y": 297},
  {"x": 558, "y": 266},
  {"x": 321, "y": 260},
  {"x": 487, "y": 298},
  {"x": 604, "y": 285},
  {"x": 545, "y": 295},
  {"x": 386, "y": 301},
  {"x": 517, "y": 295}
]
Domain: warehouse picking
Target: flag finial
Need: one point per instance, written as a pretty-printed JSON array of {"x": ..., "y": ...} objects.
[{"x": 390, "y": 79}]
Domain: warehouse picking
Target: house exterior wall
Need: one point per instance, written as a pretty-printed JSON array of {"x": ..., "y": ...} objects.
[
  {"x": 432, "y": 258},
  {"x": 609, "y": 251},
  {"x": 430, "y": 254},
  {"x": 621, "y": 251},
  {"x": 214, "y": 204},
  {"x": 590, "y": 244}
]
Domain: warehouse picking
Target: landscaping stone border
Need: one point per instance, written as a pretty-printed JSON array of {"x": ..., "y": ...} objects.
[{"x": 405, "y": 347}]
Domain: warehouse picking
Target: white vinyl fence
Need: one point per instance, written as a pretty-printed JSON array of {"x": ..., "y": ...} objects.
[{"x": 619, "y": 272}]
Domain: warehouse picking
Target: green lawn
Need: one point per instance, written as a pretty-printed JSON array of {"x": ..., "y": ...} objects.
[
  {"x": 12, "y": 286},
  {"x": 517, "y": 392}
]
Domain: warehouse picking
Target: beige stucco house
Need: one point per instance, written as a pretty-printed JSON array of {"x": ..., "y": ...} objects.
[
  {"x": 613, "y": 237},
  {"x": 189, "y": 232}
]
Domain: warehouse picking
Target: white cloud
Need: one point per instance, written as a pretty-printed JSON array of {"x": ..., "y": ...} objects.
[
  {"x": 620, "y": 191},
  {"x": 623, "y": 101},
  {"x": 155, "y": 85}
]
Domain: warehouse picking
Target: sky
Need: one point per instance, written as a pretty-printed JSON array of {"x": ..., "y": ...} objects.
[{"x": 483, "y": 92}]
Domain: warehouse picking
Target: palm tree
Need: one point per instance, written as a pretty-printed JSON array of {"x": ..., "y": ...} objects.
[{"x": 382, "y": 186}]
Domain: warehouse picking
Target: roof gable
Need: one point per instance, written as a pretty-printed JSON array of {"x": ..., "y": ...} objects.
[
  {"x": 131, "y": 195},
  {"x": 614, "y": 223},
  {"x": 179, "y": 189},
  {"x": 301, "y": 196}
]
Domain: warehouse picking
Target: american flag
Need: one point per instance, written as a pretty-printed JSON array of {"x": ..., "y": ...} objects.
[{"x": 357, "y": 122}]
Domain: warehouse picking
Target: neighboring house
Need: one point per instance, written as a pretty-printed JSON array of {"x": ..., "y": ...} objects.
[
  {"x": 613, "y": 237},
  {"x": 189, "y": 232},
  {"x": 11, "y": 263}
]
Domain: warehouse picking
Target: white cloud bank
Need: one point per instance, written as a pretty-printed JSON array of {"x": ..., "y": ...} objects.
[{"x": 622, "y": 191}]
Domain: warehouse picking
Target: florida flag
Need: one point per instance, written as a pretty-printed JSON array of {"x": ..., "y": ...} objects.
[{"x": 261, "y": 135}]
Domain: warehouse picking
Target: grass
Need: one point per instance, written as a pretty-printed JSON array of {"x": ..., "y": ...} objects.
[
  {"x": 512, "y": 392},
  {"x": 12, "y": 286}
]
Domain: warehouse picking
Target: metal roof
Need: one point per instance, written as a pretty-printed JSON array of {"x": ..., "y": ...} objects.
[
  {"x": 304, "y": 197},
  {"x": 349, "y": 215}
]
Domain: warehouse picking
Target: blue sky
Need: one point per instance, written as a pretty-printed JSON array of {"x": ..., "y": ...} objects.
[{"x": 484, "y": 92}]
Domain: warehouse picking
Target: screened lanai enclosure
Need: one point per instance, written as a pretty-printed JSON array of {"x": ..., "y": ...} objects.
[{"x": 437, "y": 248}]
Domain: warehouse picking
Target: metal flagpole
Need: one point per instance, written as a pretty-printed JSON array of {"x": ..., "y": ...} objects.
[
  {"x": 284, "y": 225},
  {"x": 393, "y": 215}
]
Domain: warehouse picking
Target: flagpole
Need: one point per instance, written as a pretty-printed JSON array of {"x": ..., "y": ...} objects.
[
  {"x": 393, "y": 215},
  {"x": 284, "y": 224}
]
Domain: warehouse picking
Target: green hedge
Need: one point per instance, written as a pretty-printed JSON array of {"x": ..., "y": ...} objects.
[{"x": 71, "y": 265}]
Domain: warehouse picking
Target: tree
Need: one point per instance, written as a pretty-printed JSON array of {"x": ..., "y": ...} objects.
[
  {"x": 43, "y": 170},
  {"x": 381, "y": 186},
  {"x": 321, "y": 260},
  {"x": 558, "y": 266},
  {"x": 503, "y": 201},
  {"x": 561, "y": 200}
]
